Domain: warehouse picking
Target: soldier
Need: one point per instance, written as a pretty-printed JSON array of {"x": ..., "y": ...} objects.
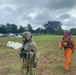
[{"x": 29, "y": 54}]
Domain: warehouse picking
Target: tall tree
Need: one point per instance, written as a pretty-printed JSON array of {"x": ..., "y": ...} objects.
[
  {"x": 13, "y": 28},
  {"x": 52, "y": 26},
  {"x": 38, "y": 30},
  {"x": 2, "y": 28},
  {"x": 59, "y": 32},
  {"x": 8, "y": 28},
  {"x": 73, "y": 31},
  {"x": 29, "y": 27},
  {"x": 21, "y": 29}
]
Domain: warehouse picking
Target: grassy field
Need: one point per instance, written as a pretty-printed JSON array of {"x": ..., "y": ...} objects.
[{"x": 51, "y": 60}]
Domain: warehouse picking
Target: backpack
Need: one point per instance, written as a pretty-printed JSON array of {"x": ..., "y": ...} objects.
[{"x": 66, "y": 43}]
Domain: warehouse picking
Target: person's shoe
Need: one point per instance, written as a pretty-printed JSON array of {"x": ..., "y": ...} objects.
[
  {"x": 70, "y": 63},
  {"x": 66, "y": 71}
]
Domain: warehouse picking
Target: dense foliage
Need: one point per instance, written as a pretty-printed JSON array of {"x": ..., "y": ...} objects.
[{"x": 51, "y": 27}]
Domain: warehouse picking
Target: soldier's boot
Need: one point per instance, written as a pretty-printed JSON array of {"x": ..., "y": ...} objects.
[
  {"x": 22, "y": 71},
  {"x": 66, "y": 71}
]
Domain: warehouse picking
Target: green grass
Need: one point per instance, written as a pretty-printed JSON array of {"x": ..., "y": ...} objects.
[{"x": 51, "y": 60}]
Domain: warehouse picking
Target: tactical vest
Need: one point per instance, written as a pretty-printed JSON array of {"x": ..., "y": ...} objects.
[
  {"x": 28, "y": 52},
  {"x": 66, "y": 43}
]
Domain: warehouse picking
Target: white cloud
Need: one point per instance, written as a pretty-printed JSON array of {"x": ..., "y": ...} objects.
[
  {"x": 38, "y": 12},
  {"x": 73, "y": 12}
]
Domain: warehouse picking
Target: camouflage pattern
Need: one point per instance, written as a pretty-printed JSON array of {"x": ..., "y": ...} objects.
[{"x": 31, "y": 51}]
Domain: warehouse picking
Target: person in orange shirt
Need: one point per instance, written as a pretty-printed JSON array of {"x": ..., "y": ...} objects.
[{"x": 69, "y": 46}]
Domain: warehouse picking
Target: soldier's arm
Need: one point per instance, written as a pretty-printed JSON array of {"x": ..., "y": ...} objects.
[
  {"x": 22, "y": 47},
  {"x": 21, "y": 51},
  {"x": 60, "y": 45},
  {"x": 74, "y": 45},
  {"x": 35, "y": 49}
]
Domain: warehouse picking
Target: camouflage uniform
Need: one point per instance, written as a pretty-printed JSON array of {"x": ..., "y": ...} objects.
[{"x": 30, "y": 54}]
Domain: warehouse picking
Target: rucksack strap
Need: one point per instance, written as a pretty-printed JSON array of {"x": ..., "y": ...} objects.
[{"x": 70, "y": 45}]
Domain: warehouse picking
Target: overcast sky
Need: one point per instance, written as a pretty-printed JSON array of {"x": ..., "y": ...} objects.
[{"x": 38, "y": 12}]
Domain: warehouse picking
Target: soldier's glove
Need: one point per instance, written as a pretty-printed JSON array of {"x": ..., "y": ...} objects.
[
  {"x": 22, "y": 49},
  {"x": 20, "y": 53},
  {"x": 60, "y": 48},
  {"x": 34, "y": 64},
  {"x": 72, "y": 51}
]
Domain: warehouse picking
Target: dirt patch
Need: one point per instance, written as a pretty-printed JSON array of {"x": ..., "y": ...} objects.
[{"x": 4, "y": 70}]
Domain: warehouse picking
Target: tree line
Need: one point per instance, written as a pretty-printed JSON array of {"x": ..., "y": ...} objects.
[{"x": 50, "y": 27}]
